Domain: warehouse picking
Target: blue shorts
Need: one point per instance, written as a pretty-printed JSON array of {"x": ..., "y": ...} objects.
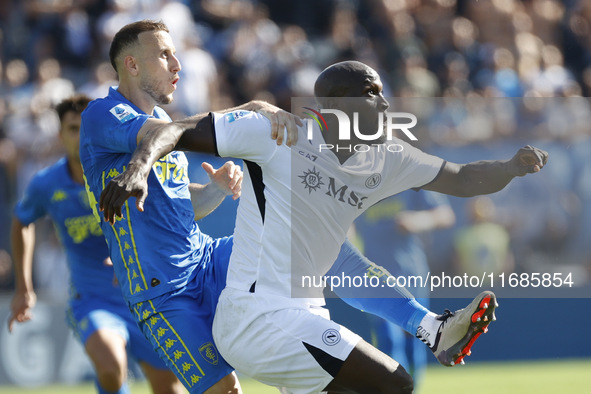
[
  {"x": 179, "y": 324},
  {"x": 87, "y": 314}
]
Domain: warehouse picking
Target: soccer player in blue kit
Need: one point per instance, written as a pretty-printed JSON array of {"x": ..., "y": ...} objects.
[
  {"x": 260, "y": 328},
  {"x": 97, "y": 314},
  {"x": 170, "y": 272}
]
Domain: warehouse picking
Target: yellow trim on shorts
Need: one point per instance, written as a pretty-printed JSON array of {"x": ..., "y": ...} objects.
[{"x": 190, "y": 380}]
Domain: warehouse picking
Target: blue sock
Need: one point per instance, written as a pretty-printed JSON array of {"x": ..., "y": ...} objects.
[
  {"x": 395, "y": 304},
  {"x": 406, "y": 313},
  {"x": 124, "y": 389}
]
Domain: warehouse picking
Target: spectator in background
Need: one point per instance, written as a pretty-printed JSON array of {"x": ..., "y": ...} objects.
[
  {"x": 103, "y": 78},
  {"x": 6, "y": 281},
  {"x": 199, "y": 68},
  {"x": 7, "y": 169},
  {"x": 482, "y": 245},
  {"x": 50, "y": 85}
]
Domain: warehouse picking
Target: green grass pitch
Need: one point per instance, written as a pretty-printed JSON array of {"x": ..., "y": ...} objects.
[{"x": 541, "y": 377}]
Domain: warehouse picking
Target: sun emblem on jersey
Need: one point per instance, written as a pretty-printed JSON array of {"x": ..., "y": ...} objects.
[{"x": 311, "y": 180}]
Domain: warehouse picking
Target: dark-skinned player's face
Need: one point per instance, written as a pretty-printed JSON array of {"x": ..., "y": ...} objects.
[{"x": 368, "y": 87}]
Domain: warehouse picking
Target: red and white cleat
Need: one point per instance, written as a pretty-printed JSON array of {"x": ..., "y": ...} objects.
[{"x": 460, "y": 329}]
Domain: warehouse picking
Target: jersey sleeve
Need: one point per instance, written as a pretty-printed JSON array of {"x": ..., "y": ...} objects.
[
  {"x": 113, "y": 126},
  {"x": 244, "y": 135},
  {"x": 32, "y": 206},
  {"x": 415, "y": 168}
]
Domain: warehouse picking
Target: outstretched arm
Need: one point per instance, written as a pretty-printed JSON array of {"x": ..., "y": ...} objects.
[
  {"x": 158, "y": 138},
  {"x": 485, "y": 177},
  {"x": 24, "y": 299},
  {"x": 195, "y": 133}
]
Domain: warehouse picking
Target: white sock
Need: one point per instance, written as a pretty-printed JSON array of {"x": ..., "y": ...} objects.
[{"x": 428, "y": 328}]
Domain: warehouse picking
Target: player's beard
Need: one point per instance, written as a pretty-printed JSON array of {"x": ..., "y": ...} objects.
[{"x": 149, "y": 86}]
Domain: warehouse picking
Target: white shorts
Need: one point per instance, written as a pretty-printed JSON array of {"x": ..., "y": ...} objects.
[{"x": 280, "y": 341}]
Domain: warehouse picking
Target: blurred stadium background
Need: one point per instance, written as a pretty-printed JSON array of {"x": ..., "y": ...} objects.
[{"x": 505, "y": 73}]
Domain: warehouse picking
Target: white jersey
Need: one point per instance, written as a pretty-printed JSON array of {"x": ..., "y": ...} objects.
[{"x": 298, "y": 203}]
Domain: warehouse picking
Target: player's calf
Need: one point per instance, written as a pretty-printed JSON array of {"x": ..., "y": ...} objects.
[
  {"x": 368, "y": 370},
  {"x": 227, "y": 385},
  {"x": 109, "y": 358}
]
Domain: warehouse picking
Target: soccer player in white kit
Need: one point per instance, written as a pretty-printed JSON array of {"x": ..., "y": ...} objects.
[{"x": 297, "y": 204}]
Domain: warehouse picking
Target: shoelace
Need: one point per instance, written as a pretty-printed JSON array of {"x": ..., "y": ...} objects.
[
  {"x": 446, "y": 315},
  {"x": 443, "y": 318}
]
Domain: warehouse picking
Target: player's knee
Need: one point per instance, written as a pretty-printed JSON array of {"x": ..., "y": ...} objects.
[
  {"x": 111, "y": 372},
  {"x": 404, "y": 381},
  {"x": 228, "y": 384},
  {"x": 172, "y": 388},
  {"x": 109, "y": 358},
  {"x": 110, "y": 379},
  {"x": 111, "y": 375},
  {"x": 163, "y": 381},
  {"x": 401, "y": 383}
]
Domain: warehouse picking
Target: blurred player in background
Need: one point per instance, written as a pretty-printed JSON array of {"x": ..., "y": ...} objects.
[
  {"x": 482, "y": 245},
  {"x": 97, "y": 314}
]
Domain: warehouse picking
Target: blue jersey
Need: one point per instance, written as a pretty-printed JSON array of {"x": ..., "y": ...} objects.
[
  {"x": 53, "y": 192},
  {"x": 154, "y": 252}
]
